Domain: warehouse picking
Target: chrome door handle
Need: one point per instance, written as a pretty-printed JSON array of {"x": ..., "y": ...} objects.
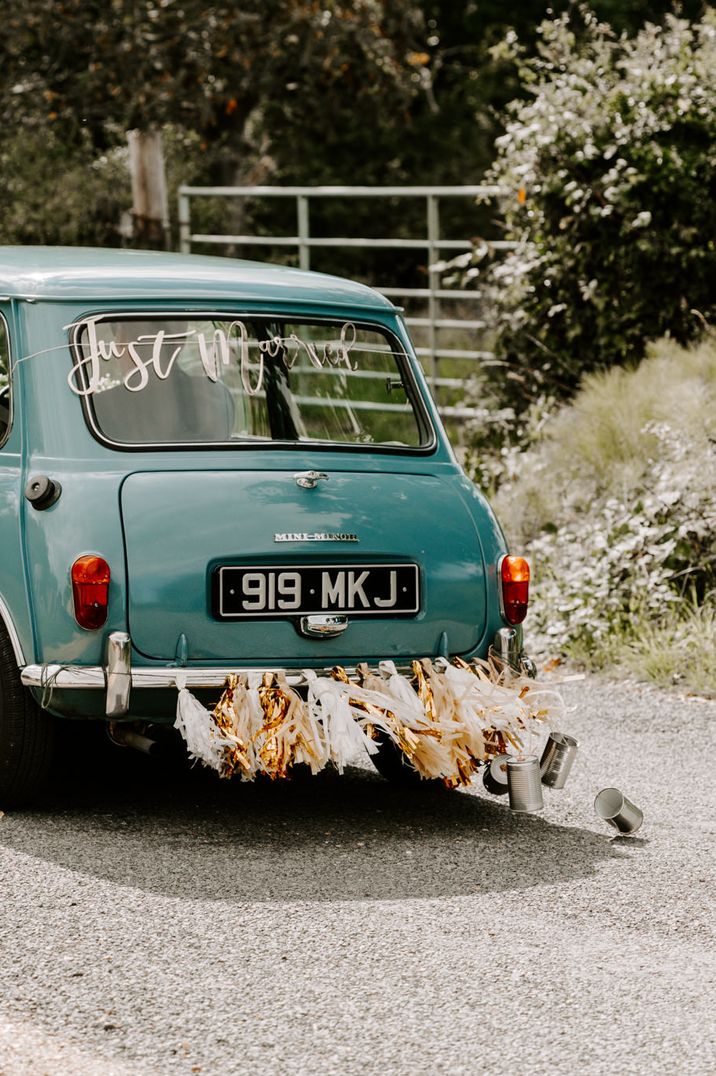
[
  {"x": 323, "y": 627},
  {"x": 310, "y": 479}
]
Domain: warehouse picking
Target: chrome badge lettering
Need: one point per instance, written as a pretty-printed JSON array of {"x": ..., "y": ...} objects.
[{"x": 319, "y": 536}]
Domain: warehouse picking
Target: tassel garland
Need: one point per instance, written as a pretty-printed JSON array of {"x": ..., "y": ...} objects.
[{"x": 447, "y": 719}]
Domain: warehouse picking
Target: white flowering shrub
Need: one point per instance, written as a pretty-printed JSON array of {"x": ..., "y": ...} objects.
[
  {"x": 495, "y": 439},
  {"x": 629, "y": 558},
  {"x": 615, "y": 505},
  {"x": 611, "y": 165}
]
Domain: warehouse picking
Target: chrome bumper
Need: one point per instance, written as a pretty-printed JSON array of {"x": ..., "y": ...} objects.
[{"x": 117, "y": 678}]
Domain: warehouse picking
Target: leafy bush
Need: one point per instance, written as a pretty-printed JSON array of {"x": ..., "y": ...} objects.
[
  {"x": 54, "y": 194},
  {"x": 616, "y": 506},
  {"x": 612, "y": 165},
  {"x": 60, "y": 193}
]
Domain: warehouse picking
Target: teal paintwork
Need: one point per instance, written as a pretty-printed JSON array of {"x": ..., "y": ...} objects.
[
  {"x": 234, "y": 517},
  {"x": 163, "y": 519}
]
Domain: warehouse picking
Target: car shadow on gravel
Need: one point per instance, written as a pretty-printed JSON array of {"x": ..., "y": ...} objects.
[{"x": 183, "y": 833}]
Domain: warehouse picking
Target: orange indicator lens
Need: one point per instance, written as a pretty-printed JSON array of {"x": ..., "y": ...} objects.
[{"x": 515, "y": 574}]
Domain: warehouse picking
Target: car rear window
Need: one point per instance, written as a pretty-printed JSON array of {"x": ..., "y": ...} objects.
[{"x": 163, "y": 380}]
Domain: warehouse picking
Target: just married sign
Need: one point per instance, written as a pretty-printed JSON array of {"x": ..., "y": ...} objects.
[{"x": 219, "y": 347}]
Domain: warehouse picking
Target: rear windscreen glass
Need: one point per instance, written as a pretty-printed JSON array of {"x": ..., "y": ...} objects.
[{"x": 166, "y": 380}]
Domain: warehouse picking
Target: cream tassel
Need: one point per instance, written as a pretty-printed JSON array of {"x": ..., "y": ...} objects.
[{"x": 329, "y": 700}]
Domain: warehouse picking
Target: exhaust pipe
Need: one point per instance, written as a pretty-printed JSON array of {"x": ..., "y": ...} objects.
[{"x": 126, "y": 736}]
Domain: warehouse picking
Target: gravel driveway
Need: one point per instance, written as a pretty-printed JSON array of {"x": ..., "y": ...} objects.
[{"x": 158, "y": 922}]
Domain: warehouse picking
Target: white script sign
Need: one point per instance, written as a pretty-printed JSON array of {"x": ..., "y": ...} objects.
[{"x": 159, "y": 351}]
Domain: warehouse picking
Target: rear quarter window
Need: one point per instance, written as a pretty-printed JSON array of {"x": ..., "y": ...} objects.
[{"x": 4, "y": 381}]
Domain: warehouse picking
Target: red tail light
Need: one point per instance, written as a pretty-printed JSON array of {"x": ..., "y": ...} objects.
[
  {"x": 90, "y": 591},
  {"x": 515, "y": 574}
]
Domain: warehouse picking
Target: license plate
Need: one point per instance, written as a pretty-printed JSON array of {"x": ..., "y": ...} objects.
[{"x": 284, "y": 591}]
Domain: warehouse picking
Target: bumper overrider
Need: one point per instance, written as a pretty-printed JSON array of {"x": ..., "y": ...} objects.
[{"x": 116, "y": 677}]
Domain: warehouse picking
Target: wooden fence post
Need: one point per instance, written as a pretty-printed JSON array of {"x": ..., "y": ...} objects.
[{"x": 150, "y": 207}]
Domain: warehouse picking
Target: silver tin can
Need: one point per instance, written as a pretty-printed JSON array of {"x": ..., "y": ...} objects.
[
  {"x": 495, "y": 776},
  {"x": 524, "y": 784},
  {"x": 559, "y": 753},
  {"x": 619, "y": 812}
]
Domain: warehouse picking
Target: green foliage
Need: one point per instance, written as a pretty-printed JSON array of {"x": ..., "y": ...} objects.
[
  {"x": 615, "y": 504},
  {"x": 611, "y": 162},
  {"x": 678, "y": 650},
  {"x": 236, "y": 75},
  {"x": 55, "y": 194},
  {"x": 469, "y": 77},
  {"x": 286, "y": 91}
]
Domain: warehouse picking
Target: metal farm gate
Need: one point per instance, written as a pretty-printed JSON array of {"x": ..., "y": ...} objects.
[{"x": 444, "y": 321}]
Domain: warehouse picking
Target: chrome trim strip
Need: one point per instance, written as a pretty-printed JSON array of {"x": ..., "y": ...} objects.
[
  {"x": 12, "y": 632},
  {"x": 81, "y": 677},
  {"x": 498, "y": 581},
  {"x": 69, "y": 676}
]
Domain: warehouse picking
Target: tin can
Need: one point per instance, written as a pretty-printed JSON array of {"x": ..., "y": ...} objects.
[
  {"x": 617, "y": 811},
  {"x": 524, "y": 784},
  {"x": 495, "y": 776},
  {"x": 559, "y": 753}
]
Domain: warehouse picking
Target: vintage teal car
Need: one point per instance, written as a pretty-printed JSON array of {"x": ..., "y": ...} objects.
[{"x": 213, "y": 465}]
